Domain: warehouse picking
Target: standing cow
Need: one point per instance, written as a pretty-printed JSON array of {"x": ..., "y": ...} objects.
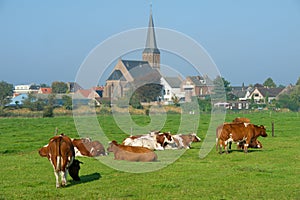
[
  {"x": 235, "y": 132},
  {"x": 60, "y": 153}
]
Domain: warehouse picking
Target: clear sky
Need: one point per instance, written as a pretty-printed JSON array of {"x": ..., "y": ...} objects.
[{"x": 46, "y": 41}]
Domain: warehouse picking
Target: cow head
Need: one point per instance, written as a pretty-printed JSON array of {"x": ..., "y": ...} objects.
[
  {"x": 112, "y": 146},
  {"x": 44, "y": 151},
  {"x": 195, "y": 138},
  {"x": 262, "y": 131},
  {"x": 74, "y": 169}
]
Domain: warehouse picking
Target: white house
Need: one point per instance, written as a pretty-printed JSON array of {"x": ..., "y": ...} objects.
[
  {"x": 171, "y": 88},
  {"x": 25, "y": 89}
]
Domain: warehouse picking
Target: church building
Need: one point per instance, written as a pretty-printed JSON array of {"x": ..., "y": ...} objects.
[{"x": 133, "y": 73}]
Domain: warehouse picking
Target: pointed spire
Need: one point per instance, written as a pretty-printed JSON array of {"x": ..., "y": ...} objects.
[{"x": 151, "y": 46}]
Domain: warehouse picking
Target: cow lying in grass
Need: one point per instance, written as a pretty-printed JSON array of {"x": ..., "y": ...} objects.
[
  {"x": 87, "y": 147},
  {"x": 183, "y": 141},
  {"x": 131, "y": 153},
  {"x": 153, "y": 140}
]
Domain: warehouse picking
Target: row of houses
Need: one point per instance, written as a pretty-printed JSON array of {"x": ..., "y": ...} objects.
[{"x": 183, "y": 89}]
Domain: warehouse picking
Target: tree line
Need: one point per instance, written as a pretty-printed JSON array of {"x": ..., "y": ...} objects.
[{"x": 147, "y": 93}]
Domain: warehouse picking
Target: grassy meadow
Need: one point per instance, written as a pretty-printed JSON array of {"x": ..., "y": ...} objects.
[{"x": 269, "y": 173}]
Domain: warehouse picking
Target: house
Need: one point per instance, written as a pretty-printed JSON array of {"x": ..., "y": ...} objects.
[
  {"x": 171, "y": 88},
  {"x": 128, "y": 75},
  {"x": 73, "y": 87},
  {"x": 242, "y": 93},
  {"x": 25, "y": 89},
  {"x": 260, "y": 94},
  {"x": 45, "y": 90},
  {"x": 17, "y": 100},
  {"x": 199, "y": 86}
]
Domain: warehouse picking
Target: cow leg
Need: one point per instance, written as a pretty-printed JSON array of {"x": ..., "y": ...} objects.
[
  {"x": 246, "y": 148},
  {"x": 56, "y": 173},
  {"x": 229, "y": 146},
  {"x": 220, "y": 146},
  {"x": 63, "y": 178}
]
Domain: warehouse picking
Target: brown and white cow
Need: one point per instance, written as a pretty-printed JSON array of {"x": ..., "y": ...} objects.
[
  {"x": 153, "y": 140},
  {"x": 236, "y": 132},
  {"x": 183, "y": 141},
  {"x": 87, "y": 147},
  {"x": 253, "y": 144},
  {"x": 60, "y": 153},
  {"x": 131, "y": 153}
]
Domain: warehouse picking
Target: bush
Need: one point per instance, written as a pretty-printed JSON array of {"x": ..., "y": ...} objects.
[{"x": 48, "y": 111}]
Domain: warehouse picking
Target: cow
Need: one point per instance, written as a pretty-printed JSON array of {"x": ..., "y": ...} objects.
[
  {"x": 153, "y": 140},
  {"x": 87, "y": 147},
  {"x": 241, "y": 120},
  {"x": 60, "y": 152},
  {"x": 253, "y": 144},
  {"x": 131, "y": 153},
  {"x": 183, "y": 141},
  {"x": 236, "y": 132}
]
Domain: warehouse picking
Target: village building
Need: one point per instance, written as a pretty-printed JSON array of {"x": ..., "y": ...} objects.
[
  {"x": 172, "y": 89},
  {"x": 26, "y": 89},
  {"x": 262, "y": 95},
  {"x": 131, "y": 74}
]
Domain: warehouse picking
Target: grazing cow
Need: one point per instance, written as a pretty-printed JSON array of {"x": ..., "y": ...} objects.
[
  {"x": 131, "y": 153},
  {"x": 183, "y": 141},
  {"x": 86, "y": 147},
  {"x": 153, "y": 140},
  {"x": 236, "y": 132},
  {"x": 60, "y": 152}
]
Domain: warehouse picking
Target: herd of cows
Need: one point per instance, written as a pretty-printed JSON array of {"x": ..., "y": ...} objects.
[{"x": 62, "y": 150}]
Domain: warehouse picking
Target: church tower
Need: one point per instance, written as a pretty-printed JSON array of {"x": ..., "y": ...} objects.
[{"x": 151, "y": 52}]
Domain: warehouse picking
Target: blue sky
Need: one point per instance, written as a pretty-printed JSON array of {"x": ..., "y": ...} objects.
[{"x": 46, "y": 41}]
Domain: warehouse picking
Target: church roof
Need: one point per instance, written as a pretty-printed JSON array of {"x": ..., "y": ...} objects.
[
  {"x": 151, "y": 46},
  {"x": 116, "y": 75},
  {"x": 141, "y": 70}
]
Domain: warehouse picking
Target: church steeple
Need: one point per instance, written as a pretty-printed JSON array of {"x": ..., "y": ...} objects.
[{"x": 151, "y": 53}]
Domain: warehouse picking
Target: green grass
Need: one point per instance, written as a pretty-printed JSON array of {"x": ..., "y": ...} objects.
[{"x": 269, "y": 173}]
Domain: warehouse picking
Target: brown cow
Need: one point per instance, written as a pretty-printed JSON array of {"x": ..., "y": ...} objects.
[
  {"x": 235, "y": 132},
  {"x": 86, "y": 147},
  {"x": 131, "y": 153},
  {"x": 242, "y": 120},
  {"x": 60, "y": 152},
  {"x": 253, "y": 144}
]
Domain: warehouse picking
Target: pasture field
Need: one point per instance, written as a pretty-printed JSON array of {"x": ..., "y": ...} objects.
[{"x": 269, "y": 173}]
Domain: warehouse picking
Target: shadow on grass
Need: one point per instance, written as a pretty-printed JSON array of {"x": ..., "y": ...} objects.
[{"x": 86, "y": 178}]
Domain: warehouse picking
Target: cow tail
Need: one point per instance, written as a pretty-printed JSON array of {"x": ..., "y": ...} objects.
[{"x": 58, "y": 158}]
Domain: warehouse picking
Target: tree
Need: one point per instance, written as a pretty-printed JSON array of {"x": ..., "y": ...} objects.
[
  {"x": 67, "y": 102},
  {"x": 34, "y": 103},
  {"x": 59, "y": 87},
  {"x": 298, "y": 81},
  {"x": 221, "y": 88},
  {"x": 269, "y": 83},
  {"x": 175, "y": 100},
  {"x": 6, "y": 90},
  {"x": 148, "y": 92},
  {"x": 292, "y": 100}
]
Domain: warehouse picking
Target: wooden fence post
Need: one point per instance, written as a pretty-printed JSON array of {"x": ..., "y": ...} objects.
[{"x": 273, "y": 129}]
